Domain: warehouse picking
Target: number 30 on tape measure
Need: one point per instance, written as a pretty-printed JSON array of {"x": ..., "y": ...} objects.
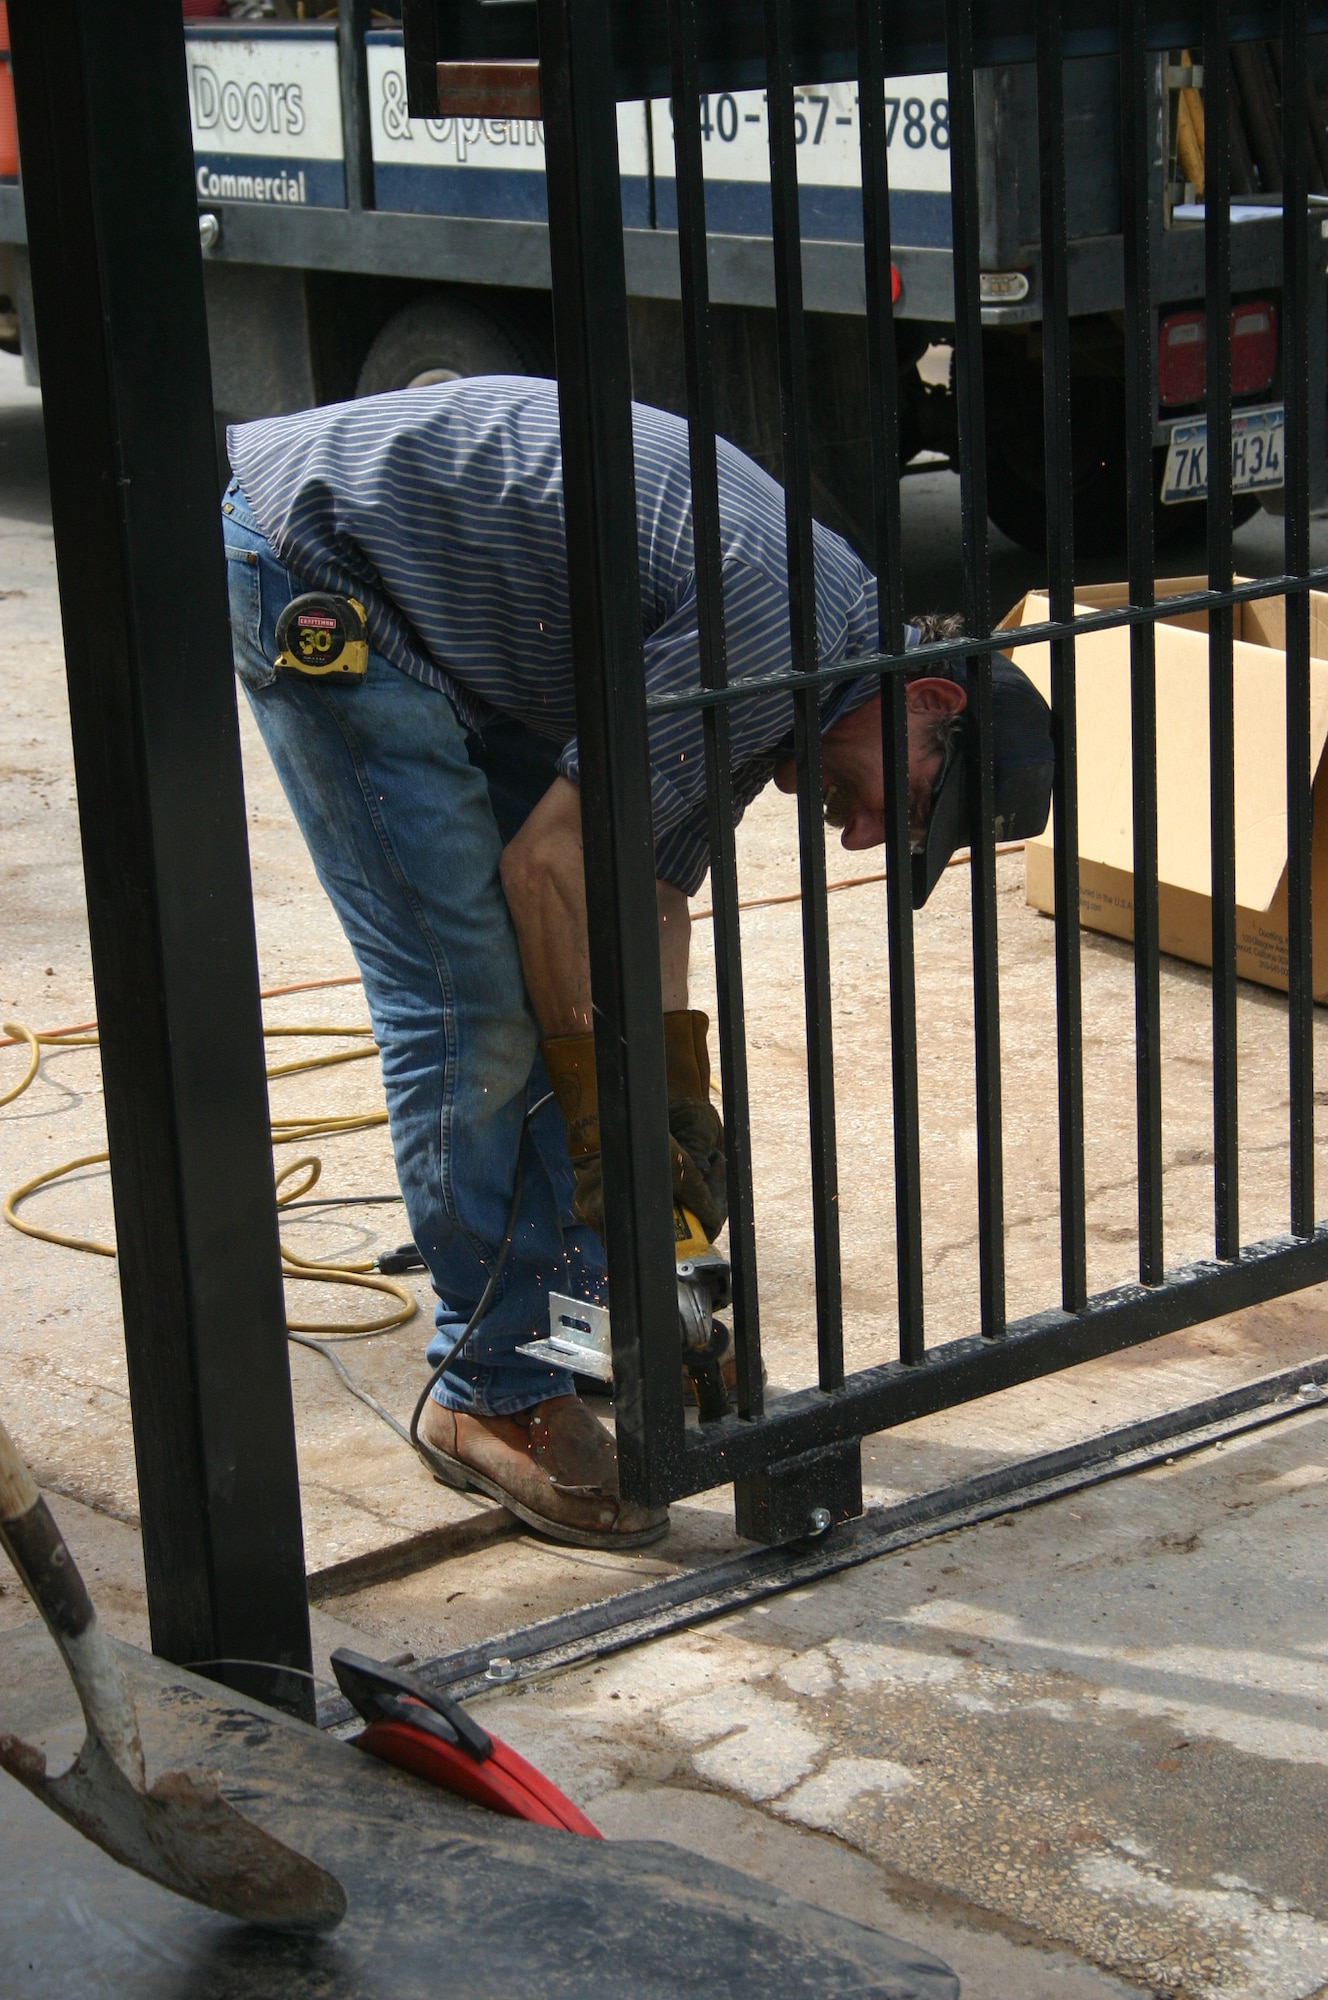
[{"x": 324, "y": 636}]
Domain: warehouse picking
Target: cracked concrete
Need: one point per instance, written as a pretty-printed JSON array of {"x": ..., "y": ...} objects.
[{"x": 1101, "y": 1724}]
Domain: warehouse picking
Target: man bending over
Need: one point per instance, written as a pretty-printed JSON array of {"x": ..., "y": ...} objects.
[{"x": 419, "y": 711}]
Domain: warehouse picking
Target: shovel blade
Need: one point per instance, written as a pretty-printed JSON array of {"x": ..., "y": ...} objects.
[{"x": 182, "y": 1833}]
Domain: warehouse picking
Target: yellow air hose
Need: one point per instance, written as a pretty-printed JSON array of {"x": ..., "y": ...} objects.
[
  {"x": 19, "y": 1033},
  {"x": 285, "y": 1132},
  {"x": 298, "y": 1131}
]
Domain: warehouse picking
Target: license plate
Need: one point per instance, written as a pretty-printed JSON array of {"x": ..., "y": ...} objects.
[{"x": 1256, "y": 455}]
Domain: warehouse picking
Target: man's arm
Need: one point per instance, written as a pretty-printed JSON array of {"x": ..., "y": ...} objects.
[{"x": 543, "y": 878}]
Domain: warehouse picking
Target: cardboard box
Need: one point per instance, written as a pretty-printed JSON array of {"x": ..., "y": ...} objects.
[{"x": 1106, "y": 820}]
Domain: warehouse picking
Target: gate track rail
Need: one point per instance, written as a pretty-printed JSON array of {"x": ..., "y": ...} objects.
[{"x": 597, "y": 1631}]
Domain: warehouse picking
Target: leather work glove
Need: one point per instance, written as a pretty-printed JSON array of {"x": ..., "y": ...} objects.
[
  {"x": 696, "y": 1136},
  {"x": 695, "y": 1126},
  {"x": 570, "y": 1061}
]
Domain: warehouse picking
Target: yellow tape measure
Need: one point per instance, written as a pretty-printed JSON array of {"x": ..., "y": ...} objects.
[{"x": 325, "y": 636}]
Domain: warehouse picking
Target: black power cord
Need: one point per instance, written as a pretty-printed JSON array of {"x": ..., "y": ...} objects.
[
  {"x": 407, "y": 1258},
  {"x": 404, "y": 1258},
  {"x": 486, "y": 1296},
  {"x": 342, "y": 1201}
]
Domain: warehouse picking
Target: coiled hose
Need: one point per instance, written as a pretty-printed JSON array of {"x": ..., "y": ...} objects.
[
  {"x": 285, "y": 1131},
  {"x": 293, "y": 1184}
]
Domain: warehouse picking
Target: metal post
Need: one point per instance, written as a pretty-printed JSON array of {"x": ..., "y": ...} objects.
[
  {"x": 1060, "y": 579},
  {"x": 1221, "y": 625},
  {"x": 1296, "y": 281},
  {"x": 706, "y": 532},
  {"x": 883, "y": 392},
  {"x": 353, "y": 18},
  {"x": 970, "y": 396},
  {"x": 118, "y": 290},
  {"x": 1137, "y": 71},
  {"x": 791, "y": 344},
  {"x": 594, "y": 389}
]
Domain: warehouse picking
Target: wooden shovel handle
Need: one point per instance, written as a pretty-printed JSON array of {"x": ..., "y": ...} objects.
[
  {"x": 18, "y": 1488},
  {"x": 37, "y": 1549},
  {"x": 50, "y": 1575}
]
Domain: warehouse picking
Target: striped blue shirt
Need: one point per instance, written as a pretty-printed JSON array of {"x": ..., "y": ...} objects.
[{"x": 442, "y": 510}]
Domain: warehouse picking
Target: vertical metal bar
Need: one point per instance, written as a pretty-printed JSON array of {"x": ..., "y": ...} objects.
[
  {"x": 652, "y": 193},
  {"x": 1139, "y": 84},
  {"x": 1316, "y": 348},
  {"x": 594, "y": 388},
  {"x": 353, "y": 19},
  {"x": 108, "y": 181},
  {"x": 883, "y": 392},
  {"x": 1060, "y": 574},
  {"x": 791, "y": 337},
  {"x": 977, "y": 614},
  {"x": 708, "y": 557},
  {"x": 1296, "y": 495},
  {"x": 1221, "y": 689}
]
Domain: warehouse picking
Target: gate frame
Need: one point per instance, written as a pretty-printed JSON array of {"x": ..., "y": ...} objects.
[
  {"x": 103, "y": 116},
  {"x": 760, "y": 1451}
]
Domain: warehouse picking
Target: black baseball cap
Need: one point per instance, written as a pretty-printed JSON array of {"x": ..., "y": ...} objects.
[{"x": 1024, "y": 762}]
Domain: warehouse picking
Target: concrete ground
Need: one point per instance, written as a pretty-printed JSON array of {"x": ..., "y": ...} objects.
[
  {"x": 1098, "y": 1724},
  {"x": 998, "y": 1743}
]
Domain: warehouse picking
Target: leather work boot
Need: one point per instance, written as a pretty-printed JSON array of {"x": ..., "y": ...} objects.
[{"x": 554, "y": 1467}]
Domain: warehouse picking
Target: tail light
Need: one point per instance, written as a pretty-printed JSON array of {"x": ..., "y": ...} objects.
[
  {"x": 1181, "y": 362},
  {"x": 1182, "y": 356},
  {"x": 896, "y": 284},
  {"x": 1253, "y": 347}
]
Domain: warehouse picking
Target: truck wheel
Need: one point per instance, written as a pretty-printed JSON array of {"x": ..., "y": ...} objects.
[
  {"x": 441, "y": 340},
  {"x": 1016, "y": 481},
  {"x": 1188, "y": 522},
  {"x": 1016, "y": 488}
]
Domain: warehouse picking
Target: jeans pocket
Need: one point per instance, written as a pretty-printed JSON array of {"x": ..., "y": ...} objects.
[{"x": 246, "y": 605}]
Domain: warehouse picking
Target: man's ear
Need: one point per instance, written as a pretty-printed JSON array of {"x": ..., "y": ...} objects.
[{"x": 930, "y": 695}]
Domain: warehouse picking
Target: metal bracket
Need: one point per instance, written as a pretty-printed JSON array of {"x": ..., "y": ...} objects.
[
  {"x": 578, "y": 1339},
  {"x": 798, "y": 1499}
]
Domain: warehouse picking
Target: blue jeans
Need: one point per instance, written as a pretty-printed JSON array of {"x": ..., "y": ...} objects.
[{"x": 403, "y": 825}]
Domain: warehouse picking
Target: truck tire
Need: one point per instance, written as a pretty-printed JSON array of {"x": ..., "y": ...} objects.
[
  {"x": 1188, "y": 522},
  {"x": 441, "y": 340},
  {"x": 1016, "y": 489}
]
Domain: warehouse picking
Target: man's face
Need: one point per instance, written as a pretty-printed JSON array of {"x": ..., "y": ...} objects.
[{"x": 851, "y": 777}]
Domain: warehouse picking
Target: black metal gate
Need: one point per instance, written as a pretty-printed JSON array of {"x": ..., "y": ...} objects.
[
  {"x": 802, "y": 1454},
  {"x": 117, "y": 283}
]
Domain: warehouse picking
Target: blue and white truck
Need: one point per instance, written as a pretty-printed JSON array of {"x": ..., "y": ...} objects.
[{"x": 350, "y": 249}]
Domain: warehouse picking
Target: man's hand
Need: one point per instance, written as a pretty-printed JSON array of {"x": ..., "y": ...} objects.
[
  {"x": 695, "y": 1126},
  {"x": 696, "y": 1134}
]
